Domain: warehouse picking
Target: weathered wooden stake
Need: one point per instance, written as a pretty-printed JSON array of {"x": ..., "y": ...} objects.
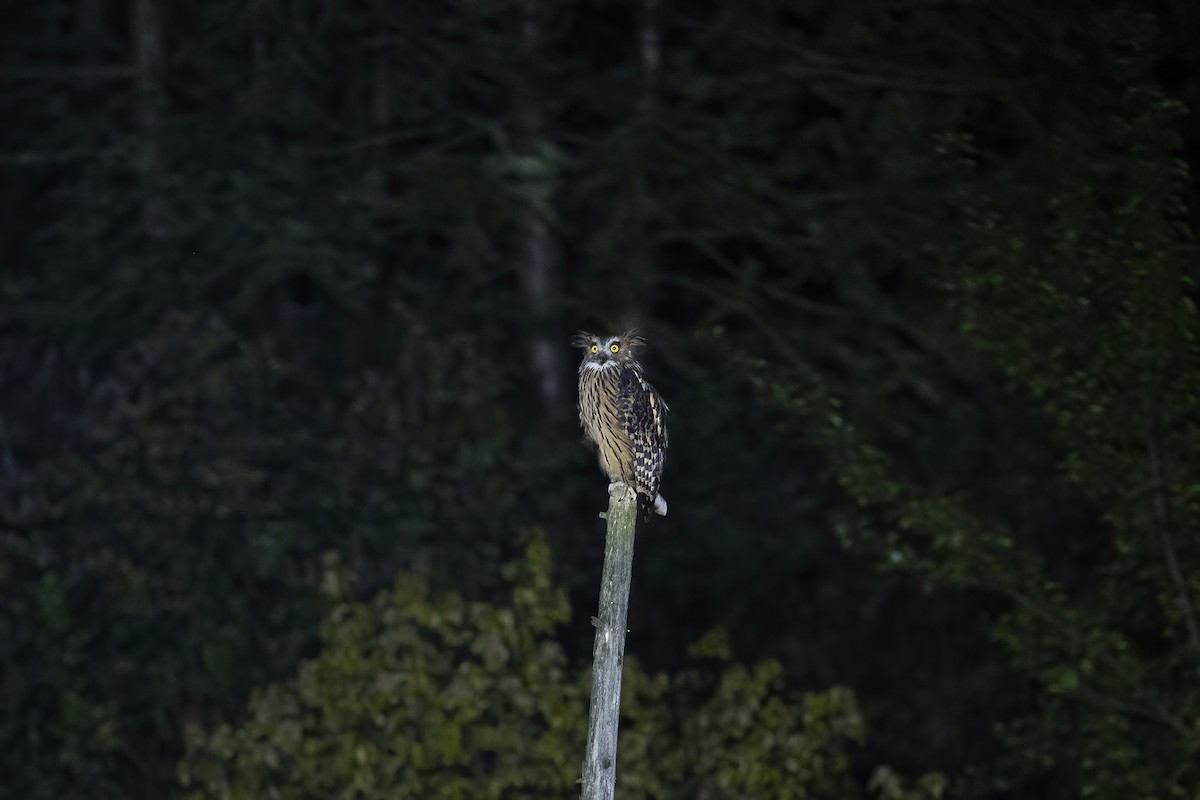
[{"x": 608, "y": 653}]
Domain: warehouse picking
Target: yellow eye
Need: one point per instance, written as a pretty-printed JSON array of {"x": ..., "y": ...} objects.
[
  {"x": 615, "y": 347},
  {"x": 595, "y": 348}
]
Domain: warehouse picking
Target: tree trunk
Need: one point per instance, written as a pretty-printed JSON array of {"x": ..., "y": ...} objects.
[
  {"x": 639, "y": 266},
  {"x": 649, "y": 55},
  {"x": 538, "y": 264},
  {"x": 89, "y": 21},
  {"x": 381, "y": 123},
  {"x": 149, "y": 62},
  {"x": 608, "y": 652}
]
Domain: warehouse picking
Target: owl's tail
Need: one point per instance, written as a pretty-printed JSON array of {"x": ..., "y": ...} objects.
[{"x": 657, "y": 506}]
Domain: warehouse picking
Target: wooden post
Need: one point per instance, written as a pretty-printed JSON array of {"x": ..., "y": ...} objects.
[{"x": 608, "y": 653}]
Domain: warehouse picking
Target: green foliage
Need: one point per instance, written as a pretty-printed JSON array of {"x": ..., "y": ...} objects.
[
  {"x": 436, "y": 696},
  {"x": 222, "y": 494},
  {"x": 418, "y": 696},
  {"x": 1075, "y": 303},
  {"x": 722, "y": 729}
]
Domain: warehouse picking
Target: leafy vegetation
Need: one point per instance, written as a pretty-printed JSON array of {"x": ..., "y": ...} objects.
[
  {"x": 439, "y": 697},
  {"x": 1076, "y": 308}
]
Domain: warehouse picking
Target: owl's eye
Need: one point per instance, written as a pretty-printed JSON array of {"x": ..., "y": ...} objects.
[
  {"x": 615, "y": 347},
  {"x": 595, "y": 348}
]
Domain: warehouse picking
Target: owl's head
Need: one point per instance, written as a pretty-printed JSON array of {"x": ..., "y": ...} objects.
[{"x": 605, "y": 351}]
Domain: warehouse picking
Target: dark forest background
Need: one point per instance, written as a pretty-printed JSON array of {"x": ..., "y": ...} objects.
[{"x": 293, "y": 500}]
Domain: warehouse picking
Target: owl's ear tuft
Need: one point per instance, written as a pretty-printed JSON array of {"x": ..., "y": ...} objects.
[
  {"x": 583, "y": 339},
  {"x": 631, "y": 340}
]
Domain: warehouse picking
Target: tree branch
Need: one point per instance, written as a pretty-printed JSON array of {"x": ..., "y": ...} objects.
[
  {"x": 1132, "y": 709},
  {"x": 1165, "y": 540}
]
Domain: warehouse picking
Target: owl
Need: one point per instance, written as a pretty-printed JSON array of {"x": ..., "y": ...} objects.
[{"x": 623, "y": 414}]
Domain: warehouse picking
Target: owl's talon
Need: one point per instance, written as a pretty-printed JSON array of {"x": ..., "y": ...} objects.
[{"x": 617, "y": 487}]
